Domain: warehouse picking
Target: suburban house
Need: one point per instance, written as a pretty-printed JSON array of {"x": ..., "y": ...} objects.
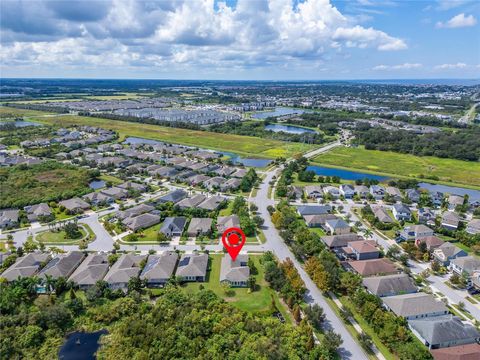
[
  {"x": 413, "y": 195},
  {"x": 332, "y": 190},
  {"x": 199, "y": 226},
  {"x": 401, "y": 212},
  {"x": 473, "y": 227},
  {"x": 125, "y": 268},
  {"x": 175, "y": 196},
  {"x": 459, "y": 352},
  {"x": 75, "y": 205},
  {"x": 212, "y": 203},
  {"x": 25, "y": 266},
  {"x": 9, "y": 218},
  {"x": 159, "y": 269},
  {"x": 62, "y": 265},
  {"x": 454, "y": 201},
  {"x": 314, "y": 191},
  {"x": 225, "y": 222},
  {"x": 450, "y": 220},
  {"x": 361, "y": 250},
  {"x": 382, "y": 215},
  {"x": 373, "y": 267},
  {"x": 432, "y": 242},
  {"x": 173, "y": 226},
  {"x": 436, "y": 197},
  {"x": 93, "y": 269},
  {"x": 230, "y": 184},
  {"x": 394, "y": 193},
  {"x": 235, "y": 273},
  {"x": 191, "y": 202},
  {"x": 414, "y": 232},
  {"x": 447, "y": 252},
  {"x": 98, "y": 198},
  {"x": 130, "y": 185},
  {"x": 444, "y": 331},
  {"x": 390, "y": 285},
  {"x": 38, "y": 212},
  {"x": 295, "y": 192},
  {"x": 313, "y": 209},
  {"x": 340, "y": 241},
  {"x": 347, "y": 191},
  {"x": 142, "y": 221},
  {"x": 314, "y": 221},
  {"x": 377, "y": 191},
  {"x": 465, "y": 265},
  {"x": 192, "y": 267},
  {"x": 426, "y": 216},
  {"x": 362, "y": 191},
  {"x": 337, "y": 226},
  {"x": 415, "y": 306},
  {"x": 214, "y": 183},
  {"x": 135, "y": 211},
  {"x": 115, "y": 192},
  {"x": 197, "y": 179}
]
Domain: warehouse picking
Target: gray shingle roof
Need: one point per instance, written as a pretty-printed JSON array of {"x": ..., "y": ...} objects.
[
  {"x": 192, "y": 265},
  {"x": 232, "y": 270},
  {"x": 126, "y": 267},
  {"x": 313, "y": 209},
  {"x": 26, "y": 265},
  {"x": 443, "y": 329},
  {"x": 160, "y": 267},
  {"x": 390, "y": 284},
  {"x": 62, "y": 265},
  {"x": 91, "y": 270},
  {"x": 414, "y": 304}
]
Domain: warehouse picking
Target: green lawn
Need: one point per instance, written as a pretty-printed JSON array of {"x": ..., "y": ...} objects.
[
  {"x": 317, "y": 231},
  {"x": 243, "y": 145},
  {"x": 50, "y": 237},
  {"x": 9, "y": 112},
  {"x": 257, "y": 301},
  {"x": 150, "y": 234},
  {"x": 114, "y": 180},
  {"x": 449, "y": 171}
]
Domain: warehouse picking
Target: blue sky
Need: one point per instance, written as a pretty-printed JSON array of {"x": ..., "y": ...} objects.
[{"x": 240, "y": 39}]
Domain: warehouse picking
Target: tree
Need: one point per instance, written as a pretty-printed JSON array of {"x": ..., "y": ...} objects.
[
  {"x": 315, "y": 315},
  {"x": 296, "y": 314},
  {"x": 252, "y": 282},
  {"x": 349, "y": 282},
  {"x": 134, "y": 284},
  {"x": 258, "y": 220},
  {"x": 331, "y": 341}
]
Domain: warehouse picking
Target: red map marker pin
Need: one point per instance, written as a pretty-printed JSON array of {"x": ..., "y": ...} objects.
[{"x": 233, "y": 239}]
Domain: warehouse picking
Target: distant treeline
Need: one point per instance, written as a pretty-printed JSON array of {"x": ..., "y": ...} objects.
[
  {"x": 40, "y": 107},
  {"x": 462, "y": 144}
]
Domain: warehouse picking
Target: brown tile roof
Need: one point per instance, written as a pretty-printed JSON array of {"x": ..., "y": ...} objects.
[
  {"x": 373, "y": 267},
  {"x": 461, "y": 352}
]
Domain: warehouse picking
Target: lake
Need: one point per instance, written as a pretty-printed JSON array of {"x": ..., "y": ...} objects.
[
  {"x": 344, "y": 174},
  {"x": 279, "y": 111},
  {"x": 21, "y": 123},
  {"x": 81, "y": 345},
  {"x": 237, "y": 159},
  {"x": 474, "y": 195},
  {"x": 96, "y": 184},
  {"x": 291, "y": 129}
]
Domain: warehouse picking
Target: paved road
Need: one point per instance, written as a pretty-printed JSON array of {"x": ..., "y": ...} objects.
[{"x": 350, "y": 348}]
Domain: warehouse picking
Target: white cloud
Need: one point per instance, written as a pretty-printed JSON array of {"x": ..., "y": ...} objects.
[
  {"x": 183, "y": 33},
  {"x": 458, "y": 21},
  {"x": 405, "y": 66},
  {"x": 458, "y": 65}
]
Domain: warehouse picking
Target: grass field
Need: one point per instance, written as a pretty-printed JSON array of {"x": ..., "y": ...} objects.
[
  {"x": 449, "y": 171},
  {"x": 9, "y": 112},
  {"x": 243, "y": 145},
  {"x": 257, "y": 301}
]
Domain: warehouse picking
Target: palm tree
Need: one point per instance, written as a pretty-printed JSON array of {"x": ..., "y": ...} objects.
[
  {"x": 49, "y": 283},
  {"x": 368, "y": 233}
]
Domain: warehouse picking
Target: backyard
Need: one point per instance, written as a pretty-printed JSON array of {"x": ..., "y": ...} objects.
[{"x": 257, "y": 301}]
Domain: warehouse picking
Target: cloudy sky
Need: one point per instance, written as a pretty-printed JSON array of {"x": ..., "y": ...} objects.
[{"x": 240, "y": 39}]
